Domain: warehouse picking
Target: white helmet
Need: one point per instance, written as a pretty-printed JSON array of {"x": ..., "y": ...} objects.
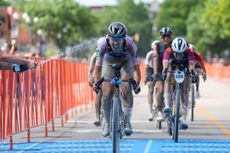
[{"x": 179, "y": 45}]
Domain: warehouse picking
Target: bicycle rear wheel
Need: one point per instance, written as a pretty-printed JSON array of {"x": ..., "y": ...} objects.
[
  {"x": 176, "y": 116},
  {"x": 115, "y": 125}
]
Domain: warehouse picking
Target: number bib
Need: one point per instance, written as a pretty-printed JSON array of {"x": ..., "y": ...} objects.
[{"x": 179, "y": 76}]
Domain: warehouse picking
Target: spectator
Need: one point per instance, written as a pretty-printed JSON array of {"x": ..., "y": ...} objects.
[{"x": 12, "y": 62}]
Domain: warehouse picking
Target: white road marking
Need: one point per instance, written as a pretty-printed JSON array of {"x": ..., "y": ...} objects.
[
  {"x": 148, "y": 146},
  {"x": 29, "y": 147}
]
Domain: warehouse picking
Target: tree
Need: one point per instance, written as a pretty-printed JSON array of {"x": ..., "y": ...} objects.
[
  {"x": 174, "y": 14},
  {"x": 134, "y": 16},
  {"x": 211, "y": 31},
  {"x": 64, "y": 22}
]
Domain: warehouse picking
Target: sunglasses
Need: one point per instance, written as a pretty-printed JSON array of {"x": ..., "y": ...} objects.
[
  {"x": 116, "y": 38},
  {"x": 164, "y": 36}
]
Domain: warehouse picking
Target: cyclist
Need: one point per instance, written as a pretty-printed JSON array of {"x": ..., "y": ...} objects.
[
  {"x": 178, "y": 53},
  {"x": 11, "y": 62},
  {"x": 99, "y": 94},
  {"x": 117, "y": 48},
  {"x": 199, "y": 68},
  {"x": 149, "y": 81},
  {"x": 157, "y": 50}
]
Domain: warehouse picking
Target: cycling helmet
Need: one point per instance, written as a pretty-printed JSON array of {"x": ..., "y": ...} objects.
[
  {"x": 117, "y": 30},
  {"x": 165, "y": 31},
  {"x": 179, "y": 45}
]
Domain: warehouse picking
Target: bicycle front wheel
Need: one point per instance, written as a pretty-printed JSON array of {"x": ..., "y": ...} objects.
[
  {"x": 115, "y": 125},
  {"x": 177, "y": 115}
]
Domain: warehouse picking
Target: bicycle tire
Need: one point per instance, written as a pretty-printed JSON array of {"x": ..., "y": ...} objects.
[
  {"x": 115, "y": 126},
  {"x": 177, "y": 115}
]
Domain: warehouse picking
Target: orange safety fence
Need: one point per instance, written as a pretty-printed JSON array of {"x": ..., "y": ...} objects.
[
  {"x": 54, "y": 89},
  {"x": 38, "y": 96},
  {"x": 218, "y": 71}
]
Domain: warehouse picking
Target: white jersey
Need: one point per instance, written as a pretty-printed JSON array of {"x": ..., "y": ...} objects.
[{"x": 148, "y": 59}]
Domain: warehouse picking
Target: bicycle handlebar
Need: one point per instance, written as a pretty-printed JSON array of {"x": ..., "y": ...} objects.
[{"x": 98, "y": 84}]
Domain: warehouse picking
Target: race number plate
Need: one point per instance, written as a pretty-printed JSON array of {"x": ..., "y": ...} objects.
[{"x": 179, "y": 76}]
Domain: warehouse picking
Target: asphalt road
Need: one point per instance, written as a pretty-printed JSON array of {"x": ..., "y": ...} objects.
[{"x": 210, "y": 130}]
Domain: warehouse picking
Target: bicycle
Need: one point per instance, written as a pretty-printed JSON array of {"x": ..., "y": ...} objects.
[
  {"x": 173, "y": 118},
  {"x": 155, "y": 110},
  {"x": 117, "y": 122},
  {"x": 193, "y": 93}
]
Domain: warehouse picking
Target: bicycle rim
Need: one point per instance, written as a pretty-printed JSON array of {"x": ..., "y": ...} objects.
[
  {"x": 115, "y": 126},
  {"x": 177, "y": 116}
]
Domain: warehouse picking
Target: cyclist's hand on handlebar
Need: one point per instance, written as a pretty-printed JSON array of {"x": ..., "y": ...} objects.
[
  {"x": 163, "y": 76},
  {"x": 137, "y": 90},
  {"x": 135, "y": 86},
  {"x": 97, "y": 85},
  {"x": 91, "y": 82},
  {"x": 96, "y": 88},
  {"x": 193, "y": 76},
  {"x": 204, "y": 77}
]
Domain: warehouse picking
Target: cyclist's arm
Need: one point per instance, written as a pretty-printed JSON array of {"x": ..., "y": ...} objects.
[
  {"x": 91, "y": 67},
  {"x": 166, "y": 57},
  {"x": 132, "y": 48},
  {"x": 155, "y": 58},
  {"x": 201, "y": 61},
  {"x": 137, "y": 74},
  {"x": 98, "y": 67},
  {"x": 100, "y": 52},
  {"x": 191, "y": 60}
]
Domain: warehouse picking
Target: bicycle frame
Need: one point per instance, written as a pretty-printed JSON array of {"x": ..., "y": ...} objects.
[
  {"x": 116, "y": 125},
  {"x": 117, "y": 119}
]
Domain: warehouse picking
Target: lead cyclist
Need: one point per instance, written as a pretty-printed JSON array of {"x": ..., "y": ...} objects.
[{"x": 117, "y": 48}]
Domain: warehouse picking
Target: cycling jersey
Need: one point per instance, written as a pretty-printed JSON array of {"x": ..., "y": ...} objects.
[
  {"x": 158, "y": 50},
  {"x": 104, "y": 52},
  {"x": 148, "y": 59},
  {"x": 187, "y": 55}
]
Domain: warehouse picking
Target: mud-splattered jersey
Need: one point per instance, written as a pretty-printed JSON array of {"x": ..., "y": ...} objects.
[{"x": 104, "y": 53}]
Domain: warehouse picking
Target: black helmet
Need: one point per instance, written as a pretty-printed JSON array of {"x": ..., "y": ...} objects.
[
  {"x": 165, "y": 31},
  {"x": 117, "y": 29}
]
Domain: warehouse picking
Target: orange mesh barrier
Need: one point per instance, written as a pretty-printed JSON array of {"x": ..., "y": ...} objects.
[
  {"x": 36, "y": 97},
  {"x": 218, "y": 71}
]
